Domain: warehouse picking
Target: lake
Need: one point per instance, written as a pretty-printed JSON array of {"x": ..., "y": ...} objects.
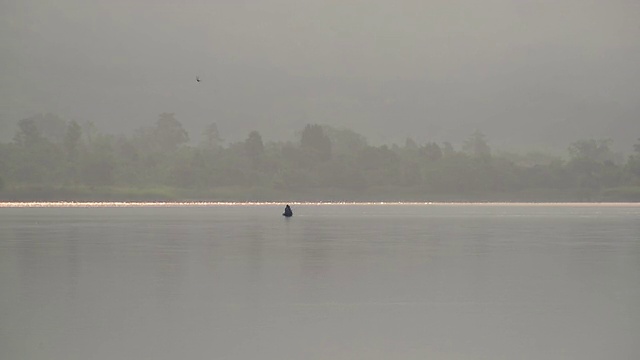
[{"x": 335, "y": 281}]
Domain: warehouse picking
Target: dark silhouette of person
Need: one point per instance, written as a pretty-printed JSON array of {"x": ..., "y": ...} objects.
[{"x": 287, "y": 211}]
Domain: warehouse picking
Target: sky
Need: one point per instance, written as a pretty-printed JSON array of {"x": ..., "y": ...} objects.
[{"x": 532, "y": 74}]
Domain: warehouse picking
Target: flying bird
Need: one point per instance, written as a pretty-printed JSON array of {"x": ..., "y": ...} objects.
[{"x": 198, "y": 78}]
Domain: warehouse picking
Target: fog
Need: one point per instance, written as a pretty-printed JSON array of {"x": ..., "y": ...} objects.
[{"x": 528, "y": 74}]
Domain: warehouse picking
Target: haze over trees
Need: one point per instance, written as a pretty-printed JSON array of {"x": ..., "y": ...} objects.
[
  {"x": 53, "y": 159},
  {"x": 532, "y": 75}
]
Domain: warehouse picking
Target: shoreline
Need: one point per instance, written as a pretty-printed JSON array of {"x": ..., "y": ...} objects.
[
  {"x": 247, "y": 195},
  {"x": 107, "y": 204}
]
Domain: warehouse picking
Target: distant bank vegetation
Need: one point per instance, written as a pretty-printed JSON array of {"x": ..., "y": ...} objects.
[{"x": 53, "y": 159}]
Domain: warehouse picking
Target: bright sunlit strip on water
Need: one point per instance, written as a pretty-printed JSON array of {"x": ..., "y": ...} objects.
[{"x": 71, "y": 204}]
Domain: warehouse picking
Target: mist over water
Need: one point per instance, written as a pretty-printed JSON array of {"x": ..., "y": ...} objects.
[{"x": 234, "y": 281}]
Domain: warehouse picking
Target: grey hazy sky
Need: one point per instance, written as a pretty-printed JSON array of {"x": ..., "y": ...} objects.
[{"x": 387, "y": 69}]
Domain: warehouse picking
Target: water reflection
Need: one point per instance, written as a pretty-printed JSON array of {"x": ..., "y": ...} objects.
[
  {"x": 169, "y": 258},
  {"x": 332, "y": 282}
]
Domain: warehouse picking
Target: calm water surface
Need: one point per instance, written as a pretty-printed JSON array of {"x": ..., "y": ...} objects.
[{"x": 333, "y": 282}]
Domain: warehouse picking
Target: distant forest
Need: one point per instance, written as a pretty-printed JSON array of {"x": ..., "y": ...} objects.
[{"x": 53, "y": 159}]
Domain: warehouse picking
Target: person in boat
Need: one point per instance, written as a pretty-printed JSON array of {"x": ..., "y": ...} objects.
[{"x": 287, "y": 211}]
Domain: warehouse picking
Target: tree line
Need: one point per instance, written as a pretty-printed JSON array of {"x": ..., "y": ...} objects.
[{"x": 53, "y": 159}]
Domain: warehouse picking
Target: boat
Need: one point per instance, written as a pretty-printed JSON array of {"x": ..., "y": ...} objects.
[{"x": 287, "y": 211}]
